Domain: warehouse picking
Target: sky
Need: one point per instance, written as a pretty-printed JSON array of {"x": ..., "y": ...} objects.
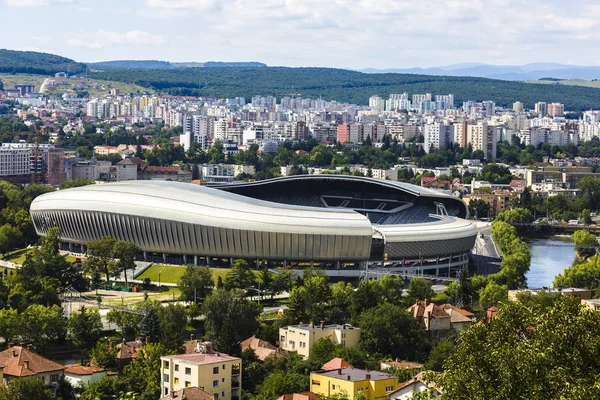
[{"x": 351, "y": 34}]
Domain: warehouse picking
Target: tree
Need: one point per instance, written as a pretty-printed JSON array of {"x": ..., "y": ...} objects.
[
  {"x": 240, "y": 276},
  {"x": 310, "y": 301},
  {"x": 230, "y": 318},
  {"x": 76, "y": 183},
  {"x": 85, "y": 327},
  {"x": 368, "y": 295},
  {"x": 196, "y": 283},
  {"x": 420, "y": 289},
  {"x": 527, "y": 353},
  {"x": 150, "y": 323},
  {"x": 125, "y": 253},
  {"x": 342, "y": 294},
  {"x": 280, "y": 383},
  {"x": 479, "y": 208},
  {"x": 143, "y": 376},
  {"x": 9, "y": 237},
  {"x": 31, "y": 388},
  {"x": 389, "y": 330},
  {"x": 42, "y": 325},
  {"x": 101, "y": 257},
  {"x": 440, "y": 353},
  {"x": 589, "y": 190},
  {"x": 492, "y": 295},
  {"x": 585, "y": 243},
  {"x": 173, "y": 320},
  {"x": 103, "y": 356}
]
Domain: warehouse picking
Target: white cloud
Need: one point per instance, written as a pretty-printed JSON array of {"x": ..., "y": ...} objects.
[
  {"x": 183, "y": 4},
  {"x": 101, "y": 39},
  {"x": 36, "y": 3}
]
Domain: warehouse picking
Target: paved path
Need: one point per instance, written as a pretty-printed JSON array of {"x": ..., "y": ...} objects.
[{"x": 486, "y": 254}]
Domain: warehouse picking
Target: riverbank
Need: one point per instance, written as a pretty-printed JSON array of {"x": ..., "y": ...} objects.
[{"x": 549, "y": 257}]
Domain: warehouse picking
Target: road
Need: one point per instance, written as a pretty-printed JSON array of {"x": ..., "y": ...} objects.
[
  {"x": 485, "y": 253},
  {"x": 43, "y": 87}
]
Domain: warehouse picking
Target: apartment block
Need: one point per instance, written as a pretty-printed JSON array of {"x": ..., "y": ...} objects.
[
  {"x": 354, "y": 383},
  {"x": 301, "y": 338},
  {"x": 216, "y": 373}
]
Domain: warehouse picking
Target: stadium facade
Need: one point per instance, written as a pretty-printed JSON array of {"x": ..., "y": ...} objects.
[{"x": 322, "y": 219}]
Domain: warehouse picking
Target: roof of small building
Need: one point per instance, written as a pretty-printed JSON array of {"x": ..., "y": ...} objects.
[
  {"x": 418, "y": 378},
  {"x": 82, "y": 370},
  {"x": 403, "y": 364},
  {"x": 355, "y": 374},
  {"x": 19, "y": 362},
  {"x": 336, "y": 363},
  {"x": 422, "y": 308},
  {"x": 299, "y": 396},
  {"x": 262, "y": 348},
  {"x": 190, "y": 393}
]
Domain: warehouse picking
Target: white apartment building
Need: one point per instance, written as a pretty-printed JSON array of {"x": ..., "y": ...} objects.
[
  {"x": 437, "y": 135},
  {"x": 216, "y": 373},
  {"x": 17, "y": 158},
  {"x": 483, "y": 137},
  {"x": 216, "y": 172},
  {"x": 376, "y": 103},
  {"x": 301, "y": 338}
]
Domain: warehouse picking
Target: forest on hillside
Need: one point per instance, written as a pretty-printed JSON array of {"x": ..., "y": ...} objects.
[
  {"x": 31, "y": 62},
  {"x": 347, "y": 86}
]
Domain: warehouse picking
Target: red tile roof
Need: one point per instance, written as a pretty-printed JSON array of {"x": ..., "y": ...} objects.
[
  {"x": 19, "y": 362},
  {"x": 403, "y": 364},
  {"x": 82, "y": 370},
  {"x": 262, "y": 348},
  {"x": 191, "y": 393},
  {"x": 336, "y": 363}
]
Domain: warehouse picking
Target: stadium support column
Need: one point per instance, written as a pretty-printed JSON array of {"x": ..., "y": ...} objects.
[
  {"x": 185, "y": 259},
  {"x": 71, "y": 247},
  {"x": 83, "y": 249},
  {"x": 231, "y": 262},
  {"x": 164, "y": 257},
  {"x": 196, "y": 260},
  {"x": 145, "y": 255}
]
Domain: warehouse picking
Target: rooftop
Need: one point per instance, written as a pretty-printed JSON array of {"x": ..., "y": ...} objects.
[
  {"x": 355, "y": 374},
  {"x": 191, "y": 393},
  {"x": 20, "y": 362},
  {"x": 336, "y": 363},
  {"x": 201, "y": 359},
  {"x": 82, "y": 370},
  {"x": 315, "y": 327}
]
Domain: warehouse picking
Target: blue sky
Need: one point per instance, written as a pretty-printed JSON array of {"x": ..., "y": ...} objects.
[{"x": 332, "y": 33}]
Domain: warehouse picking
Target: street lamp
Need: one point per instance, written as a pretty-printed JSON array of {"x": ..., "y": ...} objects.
[{"x": 159, "y": 278}]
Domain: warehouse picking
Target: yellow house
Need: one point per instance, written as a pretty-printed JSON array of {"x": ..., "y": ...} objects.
[
  {"x": 216, "y": 373},
  {"x": 301, "y": 338},
  {"x": 352, "y": 381}
]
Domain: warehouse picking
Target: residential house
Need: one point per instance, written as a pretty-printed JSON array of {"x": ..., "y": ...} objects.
[
  {"x": 127, "y": 351},
  {"x": 353, "y": 382},
  {"x": 262, "y": 348},
  {"x": 299, "y": 396},
  {"x": 166, "y": 173},
  {"x": 433, "y": 318},
  {"x": 459, "y": 319},
  {"x": 191, "y": 393},
  {"x": 216, "y": 373},
  {"x": 498, "y": 201},
  {"x": 407, "y": 390},
  {"x": 301, "y": 338},
  {"x": 20, "y": 362},
  {"x": 78, "y": 375}
]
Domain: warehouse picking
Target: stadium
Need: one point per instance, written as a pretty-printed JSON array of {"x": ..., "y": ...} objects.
[{"x": 340, "y": 223}]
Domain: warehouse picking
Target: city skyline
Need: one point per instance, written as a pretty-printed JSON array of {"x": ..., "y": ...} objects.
[{"x": 345, "y": 34}]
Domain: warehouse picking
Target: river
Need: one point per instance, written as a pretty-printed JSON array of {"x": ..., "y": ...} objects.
[{"x": 549, "y": 257}]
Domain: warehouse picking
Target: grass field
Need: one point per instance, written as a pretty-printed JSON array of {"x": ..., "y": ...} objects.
[
  {"x": 172, "y": 274},
  {"x": 10, "y": 80},
  {"x": 572, "y": 82},
  {"x": 17, "y": 256}
]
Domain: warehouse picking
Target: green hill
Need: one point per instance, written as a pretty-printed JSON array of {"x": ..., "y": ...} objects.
[
  {"x": 31, "y": 62},
  {"x": 347, "y": 86}
]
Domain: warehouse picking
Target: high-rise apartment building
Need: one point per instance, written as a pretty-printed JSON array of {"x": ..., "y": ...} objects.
[
  {"x": 437, "y": 135},
  {"x": 518, "y": 107},
  {"x": 483, "y": 137},
  {"x": 556, "y": 110},
  {"x": 343, "y": 133},
  {"x": 377, "y": 103},
  {"x": 541, "y": 108}
]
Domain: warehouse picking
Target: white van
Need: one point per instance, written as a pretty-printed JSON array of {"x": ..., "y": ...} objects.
[{"x": 573, "y": 222}]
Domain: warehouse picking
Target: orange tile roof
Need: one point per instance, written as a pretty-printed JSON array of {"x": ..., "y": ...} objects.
[
  {"x": 191, "y": 393},
  {"x": 336, "y": 363},
  {"x": 82, "y": 370},
  {"x": 404, "y": 364},
  {"x": 19, "y": 362}
]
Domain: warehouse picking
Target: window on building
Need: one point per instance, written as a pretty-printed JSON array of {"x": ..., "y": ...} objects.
[
  {"x": 223, "y": 394},
  {"x": 166, "y": 378},
  {"x": 222, "y": 380},
  {"x": 332, "y": 387},
  {"x": 165, "y": 364},
  {"x": 176, "y": 366},
  {"x": 389, "y": 388},
  {"x": 188, "y": 384},
  {"x": 223, "y": 367},
  {"x": 166, "y": 391},
  {"x": 54, "y": 378},
  {"x": 215, "y": 370},
  {"x": 188, "y": 371},
  {"x": 176, "y": 381},
  {"x": 215, "y": 384},
  {"x": 360, "y": 390}
]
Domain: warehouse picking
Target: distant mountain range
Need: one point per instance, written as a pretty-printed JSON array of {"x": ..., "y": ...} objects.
[
  {"x": 154, "y": 64},
  {"x": 528, "y": 72}
]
